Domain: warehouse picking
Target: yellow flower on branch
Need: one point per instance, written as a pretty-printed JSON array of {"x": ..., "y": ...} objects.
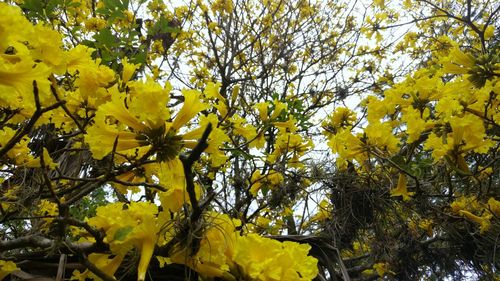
[
  {"x": 262, "y": 108},
  {"x": 6, "y": 268},
  {"x": 401, "y": 188},
  {"x": 17, "y": 73},
  {"x": 325, "y": 209},
  {"x": 102, "y": 136},
  {"x": 484, "y": 221},
  {"x": 136, "y": 122},
  {"x": 224, "y": 252},
  {"x": 380, "y": 135},
  {"x": 266, "y": 259},
  {"x": 134, "y": 225},
  {"x": 192, "y": 105},
  {"x": 382, "y": 269},
  {"x": 458, "y": 62},
  {"x": 128, "y": 70},
  {"x": 104, "y": 262},
  {"x": 494, "y": 206}
]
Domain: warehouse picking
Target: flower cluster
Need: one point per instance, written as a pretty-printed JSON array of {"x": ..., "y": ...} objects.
[
  {"x": 226, "y": 253},
  {"x": 449, "y": 118}
]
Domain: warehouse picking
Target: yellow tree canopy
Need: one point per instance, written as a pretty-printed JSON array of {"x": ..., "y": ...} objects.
[{"x": 249, "y": 140}]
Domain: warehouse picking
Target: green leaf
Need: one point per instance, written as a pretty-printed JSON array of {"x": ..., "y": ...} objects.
[
  {"x": 400, "y": 161},
  {"x": 113, "y": 9},
  {"x": 163, "y": 26},
  {"x": 140, "y": 57},
  {"x": 122, "y": 233},
  {"x": 33, "y": 6},
  {"x": 264, "y": 190},
  {"x": 73, "y": 4},
  {"x": 105, "y": 38},
  {"x": 88, "y": 43}
]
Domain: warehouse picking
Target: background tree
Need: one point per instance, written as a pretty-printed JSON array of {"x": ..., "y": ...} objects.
[{"x": 146, "y": 140}]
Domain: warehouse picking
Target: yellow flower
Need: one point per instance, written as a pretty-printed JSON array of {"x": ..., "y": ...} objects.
[
  {"x": 171, "y": 175},
  {"x": 489, "y": 32},
  {"x": 465, "y": 203},
  {"x": 128, "y": 70},
  {"x": 148, "y": 102},
  {"x": 436, "y": 145},
  {"x": 469, "y": 131},
  {"x": 92, "y": 79},
  {"x": 101, "y": 138},
  {"x": 342, "y": 117},
  {"x": 127, "y": 226},
  {"x": 426, "y": 224},
  {"x": 214, "y": 258},
  {"x": 288, "y": 126},
  {"x": 275, "y": 178},
  {"x": 21, "y": 154},
  {"x": 36, "y": 163},
  {"x": 266, "y": 259},
  {"x": 380, "y": 135},
  {"x": 48, "y": 48},
  {"x": 401, "y": 188},
  {"x": 17, "y": 73},
  {"x": 458, "y": 62},
  {"x": 137, "y": 120},
  {"x": 241, "y": 128},
  {"x": 116, "y": 108},
  {"x": 216, "y": 139},
  {"x": 6, "y": 268},
  {"x": 192, "y": 105},
  {"x": 212, "y": 91},
  {"x": 494, "y": 206},
  {"x": 255, "y": 182},
  {"x": 483, "y": 221},
  {"x": 101, "y": 261},
  {"x": 94, "y": 24},
  {"x": 130, "y": 177},
  {"x": 382, "y": 268},
  {"x": 263, "y": 222},
  {"x": 13, "y": 26},
  {"x": 347, "y": 146},
  {"x": 225, "y": 253},
  {"x": 78, "y": 56},
  {"x": 457, "y": 56},
  {"x": 47, "y": 208},
  {"x": 324, "y": 211},
  {"x": 379, "y": 3},
  {"x": 415, "y": 124},
  {"x": 262, "y": 108},
  {"x": 278, "y": 108}
]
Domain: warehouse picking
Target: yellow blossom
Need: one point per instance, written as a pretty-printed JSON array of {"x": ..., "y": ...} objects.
[
  {"x": 192, "y": 105},
  {"x": 494, "y": 206},
  {"x": 483, "y": 221},
  {"x": 382, "y": 269},
  {"x": 266, "y": 259},
  {"x": 380, "y": 135},
  {"x": 262, "y": 108},
  {"x": 489, "y": 32},
  {"x": 6, "y": 268},
  {"x": 104, "y": 262},
  {"x": 128, "y": 70},
  {"x": 127, "y": 226},
  {"x": 278, "y": 108},
  {"x": 426, "y": 224},
  {"x": 401, "y": 188},
  {"x": 324, "y": 211}
]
